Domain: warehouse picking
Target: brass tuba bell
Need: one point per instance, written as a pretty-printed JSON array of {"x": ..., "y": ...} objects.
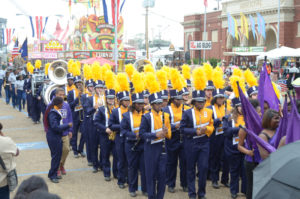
[{"x": 57, "y": 72}]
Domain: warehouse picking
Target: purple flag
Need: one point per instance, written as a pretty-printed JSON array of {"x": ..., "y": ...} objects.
[
  {"x": 266, "y": 91},
  {"x": 268, "y": 147},
  {"x": 281, "y": 130},
  {"x": 293, "y": 127},
  {"x": 251, "y": 117}
]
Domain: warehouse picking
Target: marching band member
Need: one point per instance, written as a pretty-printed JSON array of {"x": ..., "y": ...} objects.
[
  {"x": 27, "y": 89},
  {"x": 185, "y": 93},
  {"x": 114, "y": 125},
  {"x": 41, "y": 88},
  {"x": 36, "y": 109},
  {"x": 87, "y": 72},
  {"x": 197, "y": 126},
  {"x": 70, "y": 84},
  {"x": 107, "y": 144},
  {"x": 219, "y": 107},
  {"x": 134, "y": 146},
  {"x": 74, "y": 99},
  {"x": 231, "y": 128},
  {"x": 154, "y": 128},
  {"x": 175, "y": 149},
  {"x": 92, "y": 104}
]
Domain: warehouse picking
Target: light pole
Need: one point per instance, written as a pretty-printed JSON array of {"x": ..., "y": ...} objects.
[{"x": 116, "y": 50}]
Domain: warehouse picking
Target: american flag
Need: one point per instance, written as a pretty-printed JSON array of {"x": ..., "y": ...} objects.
[
  {"x": 15, "y": 50},
  {"x": 283, "y": 85}
]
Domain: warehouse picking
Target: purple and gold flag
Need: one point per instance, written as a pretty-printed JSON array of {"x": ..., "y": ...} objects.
[
  {"x": 293, "y": 126},
  {"x": 266, "y": 91}
]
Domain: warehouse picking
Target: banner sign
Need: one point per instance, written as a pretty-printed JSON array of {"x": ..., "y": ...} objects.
[
  {"x": 249, "y": 49},
  {"x": 200, "y": 45},
  {"x": 42, "y": 55},
  {"x": 81, "y": 54}
]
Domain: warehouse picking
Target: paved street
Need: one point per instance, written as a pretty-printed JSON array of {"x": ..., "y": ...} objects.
[{"x": 80, "y": 182}]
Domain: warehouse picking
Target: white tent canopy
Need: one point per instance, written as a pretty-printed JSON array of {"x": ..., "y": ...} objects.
[{"x": 278, "y": 53}]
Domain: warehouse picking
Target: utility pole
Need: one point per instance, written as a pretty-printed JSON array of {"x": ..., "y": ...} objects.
[
  {"x": 116, "y": 53},
  {"x": 205, "y": 35}
]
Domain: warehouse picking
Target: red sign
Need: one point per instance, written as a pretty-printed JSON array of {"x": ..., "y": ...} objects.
[{"x": 81, "y": 54}]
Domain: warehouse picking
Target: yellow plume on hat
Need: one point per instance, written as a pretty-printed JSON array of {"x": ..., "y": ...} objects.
[
  {"x": 117, "y": 85},
  {"x": 176, "y": 79},
  {"x": 167, "y": 70},
  {"x": 152, "y": 83},
  {"x": 238, "y": 72},
  {"x": 109, "y": 80},
  {"x": 276, "y": 90},
  {"x": 38, "y": 64},
  {"x": 96, "y": 71},
  {"x": 70, "y": 65},
  {"x": 162, "y": 79},
  {"x": 75, "y": 70},
  {"x": 129, "y": 69},
  {"x": 87, "y": 72},
  {"x": 29, "y": 67},
  {"x": 78, "y": 64},
  {"x": 199, "y": 78},
  {"x": 107, "y": 66},
  {"x": 250, "y": 78},
  {"x": 138, "y": 82},
  {"x": 123, "y": 82},
  {"x": 103, "y": 71},
  {"x": 208, "y": 69},
  {"x": 182, "y": 79},
  {"x": 218, "y": 79},
  {"x": 186, "y": 71},
  {"x": 233, "y": 81},
  {"x": 148, "y": 68},
  {"x": 46, "y": 68}
]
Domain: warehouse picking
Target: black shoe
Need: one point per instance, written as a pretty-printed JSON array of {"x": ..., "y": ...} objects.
[
  {"x": 95, "y": 170},
  {"x": 226, "y": 184},
  {"x": 76, "y": 155},
  {"x": 171, "y": 190},
  {"x": 121, "y": 186},
  {"x": 145, "y": 193},
  {"x": 185, "y": 189},
  {"x": 192, "y": 197},
  {"x": 90, "y": 164},
  {"x": 107, "y": 179},
  {"x": 132, "y": 194},
  {"x": 54, "y": 180},
  {"x": 215, "y": 185},
  {"x": 201, "y": 197},
  {"x": 233, "y": 196}
]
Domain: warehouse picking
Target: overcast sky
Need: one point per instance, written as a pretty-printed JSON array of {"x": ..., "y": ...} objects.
[{"x": 164, "y": 18}]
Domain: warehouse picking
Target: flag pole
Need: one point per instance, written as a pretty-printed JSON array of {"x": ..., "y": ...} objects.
[
  {"x": 278, "y": 24},
  {"x": 116, "y": 37},
  {"x": 204, "y": 31}
]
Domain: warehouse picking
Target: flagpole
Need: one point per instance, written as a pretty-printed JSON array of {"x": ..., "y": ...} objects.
[
  {"x": 116, "y": 36},
  {"x": 204, "y": 32},
  {"x": 278, "y": 24}
]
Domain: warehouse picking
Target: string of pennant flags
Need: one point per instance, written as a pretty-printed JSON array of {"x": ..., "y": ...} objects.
[{"x": 233, "y": 26}]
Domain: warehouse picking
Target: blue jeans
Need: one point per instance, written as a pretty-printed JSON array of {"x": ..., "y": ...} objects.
[
  {"x": 7, "y": 94},
  {"x": 19, "y": 99},
  {"x": 13, "y": 95},
  {"x": 4, "y": 192},
  {"x": 1, "y": 83}
]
